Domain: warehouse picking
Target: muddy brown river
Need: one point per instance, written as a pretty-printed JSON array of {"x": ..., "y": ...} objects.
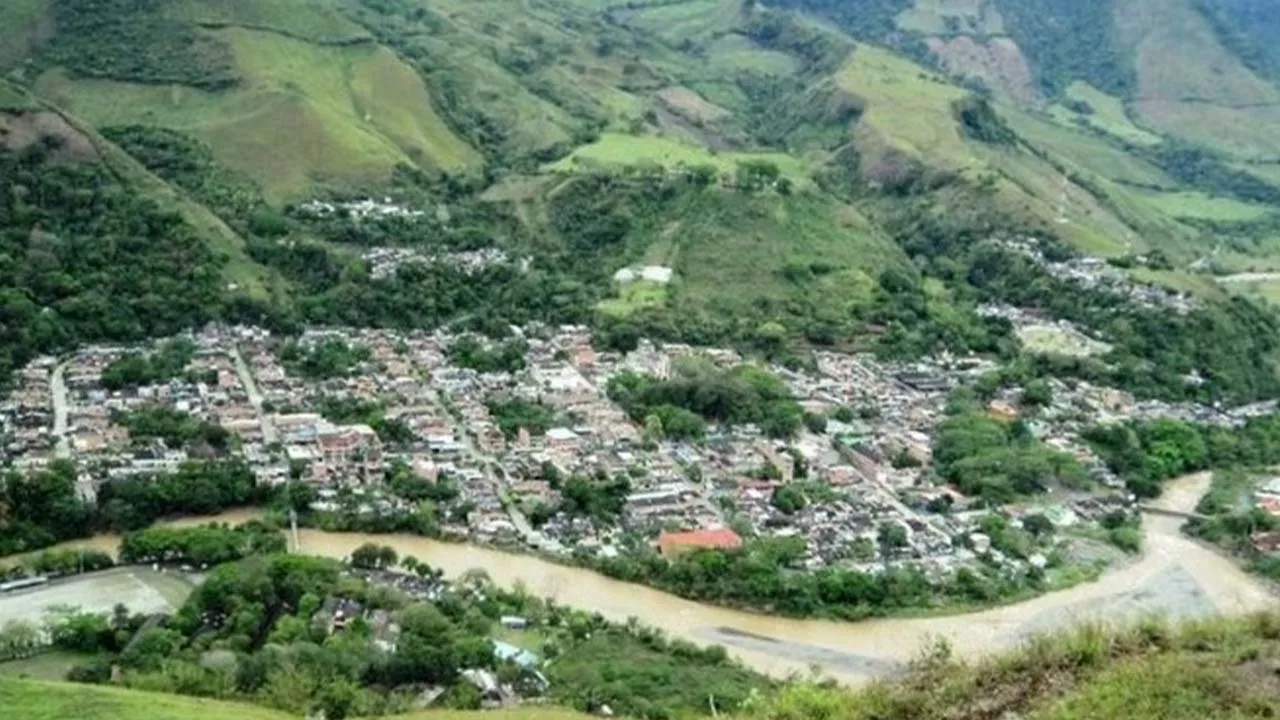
[{"x": 1174, "y": 577}]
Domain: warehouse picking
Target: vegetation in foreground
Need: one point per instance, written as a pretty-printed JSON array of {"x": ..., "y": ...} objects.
[
  {"x": 1152, "y": 671},
  {"x": 307, "y": 635}
]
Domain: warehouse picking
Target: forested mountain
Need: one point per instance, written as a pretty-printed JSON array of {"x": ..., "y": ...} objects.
[{"x": 812, "y": 172}]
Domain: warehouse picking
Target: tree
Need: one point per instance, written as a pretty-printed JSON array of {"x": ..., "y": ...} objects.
[
  {"x": 18, "y": 639},
  {"x": 1037, "y": 525},
  {"x": 337, "y": 699},
  {"x": 789, "y": 499},
  {"x": 372, "y": 556},
  {"x": 892, "y": 536},
  {"x": 1037, "y": 393},
  {"x": 653, "y": 431},
  {"x": 816, "y": 424}
]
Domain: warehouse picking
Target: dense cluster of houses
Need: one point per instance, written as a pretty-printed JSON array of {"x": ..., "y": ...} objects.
[
  {"x": 869, "y": 466},
  {"x": 1094, "y": 273}
]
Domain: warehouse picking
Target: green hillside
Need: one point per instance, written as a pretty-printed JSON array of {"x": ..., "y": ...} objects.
[
  {"x": 779, "y": 161},
  {"x": 32, "y": 700}
]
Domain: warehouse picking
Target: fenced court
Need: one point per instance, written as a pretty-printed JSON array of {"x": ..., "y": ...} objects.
[{"x": 140, "y": 589}]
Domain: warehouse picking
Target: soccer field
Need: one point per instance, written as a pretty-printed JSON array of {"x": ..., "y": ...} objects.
[{"x": 139, "y": 589}]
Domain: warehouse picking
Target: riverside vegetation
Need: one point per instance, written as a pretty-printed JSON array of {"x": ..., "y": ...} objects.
[{"x": 1150, "y": 672}]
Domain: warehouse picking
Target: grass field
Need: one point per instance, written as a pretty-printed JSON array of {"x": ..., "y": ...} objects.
[
  {"x": 51, "y": 665},
  {"x": 930, "y": 17},
  {"x": 730, "y": 251},
  {"x": 141, "y": 590},
  {"x": 617, "y": 149},
  {"x": 1203, "y": 206},
  {"x": 1191, "y": 86},
  {"x": 306, "y": 114},
  {"x": 34, "y": 700},
  {"x": 1267, "y": 291},
  {"x": 1085, "y": 150},
  {"x": 735, "y": 53},
  {"x": 686, "y": 20},
  {"x": 308, "y": 19},
  {"x": 11, "y": 99},
  {"x": 906, "y": 106},
  {"x": 1109, "y": 114},
  {"x": 635, "y": 296},
  {"x": 19, "y": 21},
  {"x": 1051, "y": 340}
]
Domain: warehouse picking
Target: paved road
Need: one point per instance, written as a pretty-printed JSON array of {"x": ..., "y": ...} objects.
[
  {"x": 1249, "y": 277},
  {"x": 255, "y": 395}
]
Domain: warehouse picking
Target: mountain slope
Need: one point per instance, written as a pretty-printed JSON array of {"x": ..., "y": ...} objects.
[
  {"x": 777, "y": 162},
  {"x": 33, "y": 700}
]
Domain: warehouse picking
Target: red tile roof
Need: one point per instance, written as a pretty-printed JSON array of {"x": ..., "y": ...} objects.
[{"x": 675, "y": 543}]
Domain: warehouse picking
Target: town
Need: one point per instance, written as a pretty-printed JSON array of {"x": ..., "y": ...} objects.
[{"x": 340, "y": 410}]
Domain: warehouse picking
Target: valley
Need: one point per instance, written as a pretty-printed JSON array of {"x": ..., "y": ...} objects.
[{"x": 728, "y": 339}]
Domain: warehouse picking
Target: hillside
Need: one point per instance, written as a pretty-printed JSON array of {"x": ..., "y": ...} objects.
[
  {"x": 1218, "y": 669},
  {"x": 32, "y": 700},
  {"x": 773, "y": 164}
]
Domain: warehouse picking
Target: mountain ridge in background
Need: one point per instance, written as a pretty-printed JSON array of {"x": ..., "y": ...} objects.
[{"x": 562, "y": 132}]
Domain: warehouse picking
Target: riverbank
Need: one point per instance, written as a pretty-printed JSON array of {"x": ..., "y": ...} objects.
[{"x": 1175, "y": 576}]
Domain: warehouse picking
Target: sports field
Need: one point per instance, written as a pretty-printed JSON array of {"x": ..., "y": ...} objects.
[{"x": 139, "y": 589}]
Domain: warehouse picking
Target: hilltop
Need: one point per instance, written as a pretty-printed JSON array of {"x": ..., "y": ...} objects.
[{"x": 1155, "y": 671}]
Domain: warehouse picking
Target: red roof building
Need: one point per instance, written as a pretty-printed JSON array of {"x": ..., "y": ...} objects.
[{"x": 673, "y": 544}]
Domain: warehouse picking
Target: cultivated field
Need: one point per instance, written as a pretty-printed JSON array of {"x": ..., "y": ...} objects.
[{"x": 141, "y": 590}]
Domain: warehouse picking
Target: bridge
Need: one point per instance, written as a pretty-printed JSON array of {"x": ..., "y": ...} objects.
[{"x": 1166, "y": 512}]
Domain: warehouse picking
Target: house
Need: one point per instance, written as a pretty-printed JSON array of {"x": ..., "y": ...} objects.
[
  {"x": 674, "y": 544},
  {"x": 1267, "y": 543},
  {"x": 1002, "y": 410},
  {"x": 561, "y": 438},
  {"x": 504, "y": 651}
]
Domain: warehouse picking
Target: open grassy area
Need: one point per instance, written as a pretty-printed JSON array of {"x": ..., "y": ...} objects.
[
  {"x": 309, "y": 19},
  {"x": 35, "y": 700},
  {"x": 908, "y": 107},
  {"x": 32, "y": 700},
  {"x": 635, "y": 296},
  {"x": 735, "y": 53},
  {"x": 52, "y": 665},
  {"x": 1109, "y": 114},
  {"x": 19, "y": 27},
  {"x": 140, "y": 589},
  {"x": 1190, "y": 85},
  {"x": 1179, "y": 281},
  {"x": 618, "y": 149},
  {"x": 1052, "y": 340},
  {"x": 675, "y": 22},
  {"x": 12, "y": 99},
  {"x": 1267, "y": 290},
  {"x": 306, "y": 114},
  {"x": 1201, "y": 205},
  {"x": 930, "y": 17},
  {"x": 730, "y": 251}
]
